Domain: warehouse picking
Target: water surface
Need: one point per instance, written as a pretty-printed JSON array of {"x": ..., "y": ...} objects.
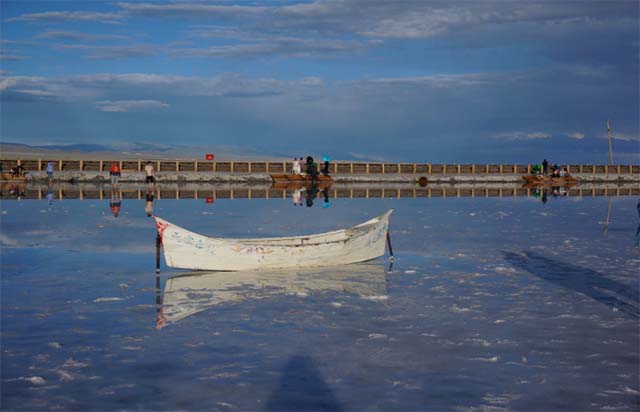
[{"x": 492, "y": 304}]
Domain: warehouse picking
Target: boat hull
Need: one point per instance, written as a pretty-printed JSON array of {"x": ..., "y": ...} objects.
[
  {"x": 189, "y": 250},
  {"x": 295, "y": 178},
  {"x": 549, "y": 181},
  {"x": 7, "y": 177}
]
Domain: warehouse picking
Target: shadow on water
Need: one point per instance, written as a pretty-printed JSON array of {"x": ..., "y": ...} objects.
[
  {"x": 301, "y": 388},
  {"x": 586, "y": 281}
]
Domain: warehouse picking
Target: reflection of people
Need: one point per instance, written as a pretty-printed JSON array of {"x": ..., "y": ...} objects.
[
  {"x": 50, "y": 196},
  {"x": 637, "y": 236},
  {"x": 326, "y": 202},
  {"x": 17, "y": 191},
  {"x": 311, "y": 194},
  {"x": 544, "y": 195},
  {"x": 297, "y": 197},
  {"x": 149, "y": 173},
  {"x": 115, "y": 203},
  {"x": 148, "y": 205}
]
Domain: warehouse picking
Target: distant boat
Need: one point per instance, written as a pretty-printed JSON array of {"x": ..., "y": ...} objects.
[
  {"x": 295, "y": 178},
  {"x": 541, "y": 180},
  {"x": 8, "y": 177},
  {"x": 189, "y": 250},
  {"x": 195, "y": 292},
  {"x": 293, "y": 185}
]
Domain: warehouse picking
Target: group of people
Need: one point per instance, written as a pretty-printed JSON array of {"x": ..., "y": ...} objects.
[
  {"x": 310, "y": 167},
  {"x": 17, "y": 171},
  {"x": 556, "y": 171},
  {"x": 115, "y": 203},
  {"x": 115, "y": 172}
]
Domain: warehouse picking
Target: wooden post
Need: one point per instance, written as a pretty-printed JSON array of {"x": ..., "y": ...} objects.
[
  {"x": 158, "y": 164},
  {"x": 444, "y": 169},
  {"x": 473, "y": 169},
  {"x": 429, "y": 170},
  {"x": 139, "y": 166},
  {"x": 501, "y": 169},
  {"x": 81, "y": 168},
  {"x": 249, "y": 168},
  {"x": 351, "y": 167},
  {"x": 60, "y": 165}
]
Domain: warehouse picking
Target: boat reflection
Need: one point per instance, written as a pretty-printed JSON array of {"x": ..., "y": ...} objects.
[
  {"x": 542, "y": 192},
  {"x": 195, "y": 292}
]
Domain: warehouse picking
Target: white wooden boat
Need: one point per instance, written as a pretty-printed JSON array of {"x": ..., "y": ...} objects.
[
  {"x": 188, "y": 250},
  {"x": 195, "y": 292}
]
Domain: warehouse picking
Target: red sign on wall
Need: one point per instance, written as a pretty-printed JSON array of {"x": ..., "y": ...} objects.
[
  {"x": 209, "y": 200},
  {"x": 209, "y": 156}
]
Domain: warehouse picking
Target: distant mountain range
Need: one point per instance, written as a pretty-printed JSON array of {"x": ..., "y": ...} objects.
[
  {"x": 137, "y": 150},
  {"x": 151, "y": 151}
]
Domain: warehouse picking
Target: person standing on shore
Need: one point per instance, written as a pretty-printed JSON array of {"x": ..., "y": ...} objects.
[
  {"x": 545, "y": 167},
  {"x": 114, "y": 172},
  {"x": 149, "y": 172},
  {"x": 50, "y": 171}
]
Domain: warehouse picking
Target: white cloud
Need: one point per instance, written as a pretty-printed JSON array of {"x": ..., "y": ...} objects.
[
  {"x": 12, "y": 57},
  {"x": 129, "y": 105},
  {"x": 522, "y": 135},
  {"x": 625, "y": 136},
  {"x": 111, "y": 52},
  {"x": 77, "y": 36},
  {"x": 80, "y": 16},
  {"x": 576, "y": 135},
  {"x": 383, "y": 18}
]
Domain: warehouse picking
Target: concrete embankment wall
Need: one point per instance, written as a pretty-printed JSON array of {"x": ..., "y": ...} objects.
[{"x": 205, "y": 171}]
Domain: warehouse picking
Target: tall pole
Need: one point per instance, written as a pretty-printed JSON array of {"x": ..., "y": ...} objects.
[{"x": 609, "y": 135}]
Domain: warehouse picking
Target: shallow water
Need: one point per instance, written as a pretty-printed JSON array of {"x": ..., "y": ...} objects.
[{"x": 492, "y": 304}]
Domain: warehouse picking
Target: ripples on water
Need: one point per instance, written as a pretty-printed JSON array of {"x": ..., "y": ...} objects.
[{"x": 492, "y": 304}]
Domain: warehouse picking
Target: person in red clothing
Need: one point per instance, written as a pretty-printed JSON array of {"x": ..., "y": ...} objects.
[{"x": 114, "y": 172}]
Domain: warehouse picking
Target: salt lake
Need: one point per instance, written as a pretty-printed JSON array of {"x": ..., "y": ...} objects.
[{"x": 492, "y": 304}]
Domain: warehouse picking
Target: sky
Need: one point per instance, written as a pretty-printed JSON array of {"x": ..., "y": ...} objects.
[{"x": 405, "y": 80}]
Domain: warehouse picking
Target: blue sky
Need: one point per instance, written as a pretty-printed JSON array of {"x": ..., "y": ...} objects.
[{"x": 414, "y": 80}]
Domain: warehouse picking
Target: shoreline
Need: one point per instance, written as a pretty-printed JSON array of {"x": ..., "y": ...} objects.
[{"x": 221, "y": 177}]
